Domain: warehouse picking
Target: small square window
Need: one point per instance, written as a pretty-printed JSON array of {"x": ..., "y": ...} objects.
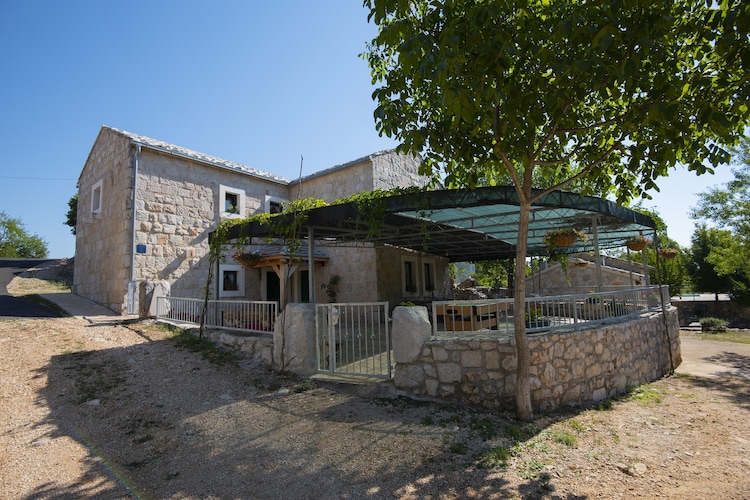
[
  {"x": 231, "y": 280},
  {"x": 231, "y": 201},
  {"x": 274, "y": 205}
]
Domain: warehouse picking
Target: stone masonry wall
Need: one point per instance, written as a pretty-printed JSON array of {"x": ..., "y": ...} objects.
[
  {"x": 552, "y": 280},
  {"x": 567, "y": 368},
  {"x": 102, "y": 263},
  {"x": 178, "y": 205}
]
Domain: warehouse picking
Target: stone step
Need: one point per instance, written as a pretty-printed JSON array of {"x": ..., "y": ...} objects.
[{"x": 356, "y": 385}]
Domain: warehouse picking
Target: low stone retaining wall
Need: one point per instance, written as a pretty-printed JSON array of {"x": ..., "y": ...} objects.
[
  {"x": 567, "y": 368},
  {"x": 256, "y": 348}
]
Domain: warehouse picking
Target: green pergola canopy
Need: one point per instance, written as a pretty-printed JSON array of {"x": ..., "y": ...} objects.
[{"x": 469, "y": 225}]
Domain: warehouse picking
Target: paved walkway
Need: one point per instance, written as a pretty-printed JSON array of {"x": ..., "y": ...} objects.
[
  {"x": 711, "y": 358},
  {"x": 79, "y": 306}
]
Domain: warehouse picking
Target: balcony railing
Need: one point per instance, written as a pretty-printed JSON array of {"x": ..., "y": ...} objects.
[
  {"x": 244, "y": 315},
  {"x": 545, "y": 313}
]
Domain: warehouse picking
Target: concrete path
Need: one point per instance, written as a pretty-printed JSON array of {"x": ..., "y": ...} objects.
[{"x": 714, "y": 359}]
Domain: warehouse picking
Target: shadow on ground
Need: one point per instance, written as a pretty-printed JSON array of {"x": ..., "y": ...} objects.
[{"x": 160, "y": 421}]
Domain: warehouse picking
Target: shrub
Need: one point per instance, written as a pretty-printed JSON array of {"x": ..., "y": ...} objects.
[{"x": 713, "y": 324}]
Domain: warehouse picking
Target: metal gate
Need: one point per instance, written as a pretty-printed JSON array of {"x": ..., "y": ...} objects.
[{"x": 354, "y": 339}]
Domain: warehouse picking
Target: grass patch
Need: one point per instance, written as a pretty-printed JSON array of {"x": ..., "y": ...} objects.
[
  {"x": 37, "y": 299},
  {"x": 95, "y": 377},
  {"x": 643, "y": 394},
  {"x": 739, "y": 336},
  {"x": 485, "y": 427},
  {"x": 207, "y": 349},
  {"x": 144, "y": 439},
  {"x": 495, "y": 457},
  {"x": 530, "y": 469},
  {"x": 577, "y": 426},
  {"x": 564, "y": 437}
]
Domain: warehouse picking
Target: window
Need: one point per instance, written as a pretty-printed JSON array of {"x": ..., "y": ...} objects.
[
  {"x": 231, "y": 280},
  {"x": 274, "y": 205},
  {"x": 428, "y": 276},
  {"x": 409, "y": 277},
  {"x": 96, "y": 198},
  {"x": 231, "y": 201}
]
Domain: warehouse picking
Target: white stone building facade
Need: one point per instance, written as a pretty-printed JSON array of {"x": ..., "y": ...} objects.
[{"x": 146, "y": 208}]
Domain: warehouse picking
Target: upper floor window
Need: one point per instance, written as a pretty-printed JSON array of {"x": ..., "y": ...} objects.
[
  {"x": 274, "y": 205},
  {"x": 96, "y": 198},
  {"x": 231, "y": 201}
]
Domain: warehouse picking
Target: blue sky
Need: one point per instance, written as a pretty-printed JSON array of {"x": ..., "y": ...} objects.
[{"x": 258, "y": 83}]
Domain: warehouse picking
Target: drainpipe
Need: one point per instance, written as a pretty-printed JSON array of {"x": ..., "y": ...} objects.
[{"x": 131, "y": 305}]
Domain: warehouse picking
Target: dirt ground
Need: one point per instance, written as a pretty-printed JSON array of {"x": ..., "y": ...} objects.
[{"x": 133, "y": 410}]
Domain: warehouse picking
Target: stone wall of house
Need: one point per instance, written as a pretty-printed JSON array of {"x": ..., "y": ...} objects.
[
  {"x": 103, "y": 239},
  {"x": 357, "y": 271},
  {"x": 567, "y": 368},
  {"x": 396, "y": 170},
  {"x": 178, "y": 205},
  {"x": 390, "y": 274},
  {"x": 337, "y": 182},
  {"x": 384, "y": 170},
  {"x": 552, "y": 280}
]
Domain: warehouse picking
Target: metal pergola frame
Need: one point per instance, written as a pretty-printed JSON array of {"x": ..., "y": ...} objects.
[{"x": 466, "y": 225}]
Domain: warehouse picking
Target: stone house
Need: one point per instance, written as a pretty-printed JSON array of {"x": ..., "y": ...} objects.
[
  {"x": 583, "y": 276},
  {"x": 146, "y": 208}
]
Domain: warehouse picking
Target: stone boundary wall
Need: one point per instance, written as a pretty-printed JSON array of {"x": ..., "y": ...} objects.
[{"x": 567, "y": 368}]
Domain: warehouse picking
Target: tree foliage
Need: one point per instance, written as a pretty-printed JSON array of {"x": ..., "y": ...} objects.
[
  {"x": 15, "y": 242},
  {"x": 71, "y": 217},
  {"x": 493, "y": 273},
  {"x": 704, "y": 274},
  {"x": 721, "y": 255},
  {"x": 605, "y": 97}
]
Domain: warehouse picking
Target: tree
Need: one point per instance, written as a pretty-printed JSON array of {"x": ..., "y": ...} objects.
[
  {"x": 71, "y": 218},
  {"x": 704, "y": 274},
  {"x": 729, "y": 206},
  {"x": 492, "y": 273},
  {"x": 722, "y": 257},
  {"x": 605, "y": 97},
  {"x": 16, "y": 242}
]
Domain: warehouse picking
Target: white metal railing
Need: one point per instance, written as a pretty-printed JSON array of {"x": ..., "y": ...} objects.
[
  {"x": 353, "y": 339},
  {"x": 244, "y": 315},
  {"x": 545, "y": 313}
]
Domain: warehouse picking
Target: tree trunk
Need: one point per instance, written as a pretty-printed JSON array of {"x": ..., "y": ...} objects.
[{"x": 524, "y": 411}]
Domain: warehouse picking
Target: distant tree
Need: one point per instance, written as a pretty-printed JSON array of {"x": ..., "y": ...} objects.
[
  {"x": 722, "y": 256},
  {"x": 72, "y": 215},
  {"x": 703, "y": 273},
  {"x": 493, "y": 273},
  {"x": 605, "y": 97},
  {"x": 15, "y": 242}
]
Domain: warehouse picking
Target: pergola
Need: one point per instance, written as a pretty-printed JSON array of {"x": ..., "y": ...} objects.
[
  {"x": 463, "y": 225},
  {"x": 468, "y": 225}
]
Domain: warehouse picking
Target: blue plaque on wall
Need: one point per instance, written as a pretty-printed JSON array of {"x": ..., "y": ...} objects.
[{"x": 140, "y": 248}]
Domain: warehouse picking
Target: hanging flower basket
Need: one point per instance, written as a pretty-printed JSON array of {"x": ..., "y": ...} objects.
[
  {"x": 247, "y": 260},
  {"x": 668, "y": 253},
  {"x": 637, "y": 243},
  {"x": 562, "y": 238}
]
